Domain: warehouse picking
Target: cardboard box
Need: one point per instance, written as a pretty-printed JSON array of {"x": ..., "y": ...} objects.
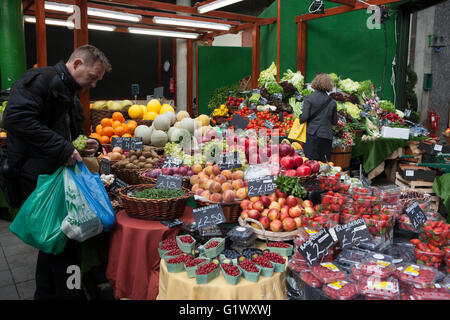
[
  {"x": 397, "y": 133},
  {"x": 412, "y": 173}
]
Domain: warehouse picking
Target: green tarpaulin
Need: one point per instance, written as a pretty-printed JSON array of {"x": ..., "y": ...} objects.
[{"x": 441, "y": 186}]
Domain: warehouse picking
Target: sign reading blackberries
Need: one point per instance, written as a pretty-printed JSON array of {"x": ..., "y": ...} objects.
[{"x": 352, "y": 233}]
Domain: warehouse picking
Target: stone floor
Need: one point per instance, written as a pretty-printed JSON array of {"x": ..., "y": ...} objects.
[{"x": 17, "y": 266}]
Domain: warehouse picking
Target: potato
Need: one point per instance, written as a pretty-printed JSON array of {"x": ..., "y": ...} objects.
[
  {"x": 130, "y": 166},
  {"x": 138, "y": 153},
  {"x": 141, "y": 165},
  {"x": 154, "y": 154},
  {"x": 149, "y": 160},
  {"x": 132, "y": 158},
  {"x": 147, "y": 154},
  {"x": 148, "y": 165},
  {"x": 135, "y": 162},
  {"x": 131, "y": 153},
  {"x": 142, "y": 159}
]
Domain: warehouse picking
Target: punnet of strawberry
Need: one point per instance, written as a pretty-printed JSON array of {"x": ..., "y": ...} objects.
[
  {"x": 212, "y": 244},
  {"x": 376, "y": 287},
  {"x": 341, "y": 290},
  {"x": 278, "y": 244},
  {"x": 179, "y": 259},
  {"x": 230, "y": 269},
  {"x": 310, "y": 279},
  {"x": 435, "y": 292},
  {"x": 248, "y": 266},
  {"x": 427, "y": 254},
  {"x": 435, "y": 233},
  {"x": 206, "y": 268},
  {"x": 194, "y": 262},
  {"x": 421, "y": 275},
  {"x": 274, "y": 257},
  {"x": 186, "y": 239},
  {"x": 334, "y": 202},
  {"x": 328, "y": 272},
  {"x": 169, "y": 246},
  {"x": 262, "y": 262},
  {"x": 174, "y": 252}
]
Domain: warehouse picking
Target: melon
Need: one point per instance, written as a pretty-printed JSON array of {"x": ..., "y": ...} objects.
[
  {"x": 159, "y": 138},
  {"x": 161, "y": 122},
  {"x": 144, "y": 132},
  {"x": 188, "y": 124},
  {"x": 182, "y": 114},
  {"x": 204, "y": 120},
  {"x": 171, "y": 116},
  {"x": 181, "y": 136},
  {"x": 170, "y": 131}
]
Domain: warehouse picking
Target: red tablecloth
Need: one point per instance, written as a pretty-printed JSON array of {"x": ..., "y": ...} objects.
[{"x": 133, "y": 262}]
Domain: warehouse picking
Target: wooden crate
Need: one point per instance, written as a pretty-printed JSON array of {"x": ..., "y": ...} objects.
[{"x": 423, "y": 186}]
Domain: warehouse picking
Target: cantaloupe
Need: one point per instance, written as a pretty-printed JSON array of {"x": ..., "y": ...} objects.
[
  {"x": 171, "y": 116},
  {"x": 204, "y": 120},
  {"x": 159, "y": 138},
  {"x": 161, "y": 122},
  {"x": 182, "y": 114},
  {"x": 181, "y": 136},
  {"x": 188, "y": 124},
  {"x": 144, "y": 132}
]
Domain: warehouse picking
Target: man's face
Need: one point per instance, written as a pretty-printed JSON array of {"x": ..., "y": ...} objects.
[{"x": 87, "y": 76}]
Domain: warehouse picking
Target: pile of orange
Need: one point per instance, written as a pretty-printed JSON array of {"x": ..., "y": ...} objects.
[{"x": 114, "y": 127}]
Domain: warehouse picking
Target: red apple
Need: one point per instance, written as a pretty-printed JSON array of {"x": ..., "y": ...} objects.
[
  {"x": 309, "y": 211},
  {"x": 315, "y": 167},
  {"x": 254, "y": 214},
  {"x": 244, "y": 204},
  {"x": 290, "y": 173},
  {"x": 289, "y": 224},
  {"x": 275, "y": 205},
  {"x": 291, "y": 201},
  {"x": 254, "y": 199},
  {"x": 303, "y": 171},
  {"x": 280, "y": 194},
  {"x": 285, "y": 209},
  {"x": 287, "y": 162},
  {"x": 298, "y": 160},
  {"x": 295, "y": 212},
  {"x": 273, "y": 214},
  {"x": 307, "y": 203},
  {"x": 265, "y": 212},
  {"x": 276, "y": 225},
  {"x": 244, "y": 214},
  {"x": 265, "y": 222},
  {"x": 282, "y": 201},
  {"x": 265, "y": 200},
  {"x": 298, "y": 222},
  {"x": 284, "y": 215},
  {"x": 273, "y": 197},
  {"x": 258, "y": 205}
]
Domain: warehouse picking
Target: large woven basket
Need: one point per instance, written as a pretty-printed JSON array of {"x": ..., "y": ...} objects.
[
  {"x": 130, "y": 176},
  {"x": 98, "y": 114},
  {"x": 263, "y": 234},
  {"x": 147, "y": 123},
  {"x": 231, "y": 211},
  {"x": 152, "y": 209},
  {"x": 146, "y": 180}
]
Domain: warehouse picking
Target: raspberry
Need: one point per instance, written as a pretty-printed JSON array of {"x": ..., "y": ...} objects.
[
  {"x": 212, "y": 244},
  {"x": 178, "y": 259},
  {"x": 169, "y": 246},
  {"x": 206, "y": 268},
  {"x": 230, "y": 269},
  {"x": 248, "y": 266},
  {"x": 175, "y": 252},
  {"x": 278, "y": 244},
  {"x": 194, "y": 262},
  {"x": 262, "y": 261},
  {"x": 186, "y": 239},
  {"x": 169, "y": 241},
  {"x": 274, "y": 257}
]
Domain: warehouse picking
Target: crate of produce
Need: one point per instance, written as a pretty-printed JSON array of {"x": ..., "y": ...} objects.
[
  {"x": 277, "y": 260},
  {"x": 186, "y": 243},
  {"x": 280, "y": 247},
  {"x": 415, "y": 190},
  {"x": 176, "y": 264},
  {"x": 214, "y": 247},
  {"x": 435, "y": 233},
  {"x": 207, "y": 272},
  {"x": 191, "y": 265},
  {"x": 250, "y": 270},
  {"x": 231, "y": 273},
  {"x": 266, "y": 266},
  {"x": 374, "y": 287},
  {"x": 341, "y": 290}
]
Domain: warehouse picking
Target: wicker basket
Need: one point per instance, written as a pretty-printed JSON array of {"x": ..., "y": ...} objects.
[
  {"x": 130, "y": 176},
  {"x": 152, "y": 209},
  {"x": 98, "y": 114},
  {"x": 145, "y": 180},
  {"x": 231, "y": 211},
  {"x": 147, "y": 123},
  {"x": 341, "y": 156},
  {"x": 307, "y": 179},
  {"x": 263, "y": 234},
  {"x": 220, "y": 119}
]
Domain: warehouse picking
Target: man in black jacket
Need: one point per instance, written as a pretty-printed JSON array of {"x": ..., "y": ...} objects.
[{"x": 42, "y": 118}]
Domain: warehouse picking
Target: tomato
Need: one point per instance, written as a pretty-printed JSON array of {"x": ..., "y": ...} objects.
[{"x": 415, "y": 241}]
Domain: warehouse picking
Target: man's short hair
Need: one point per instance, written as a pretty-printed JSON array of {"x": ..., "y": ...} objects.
[{"x": 90, "y": 55}]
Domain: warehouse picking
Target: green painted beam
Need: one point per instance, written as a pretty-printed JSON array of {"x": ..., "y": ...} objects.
[{"x": 402, "y": 59}]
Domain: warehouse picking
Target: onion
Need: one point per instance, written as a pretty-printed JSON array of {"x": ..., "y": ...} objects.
[
  {"x": 116, "y": 156},
  {"x": 117, "y": 149}
]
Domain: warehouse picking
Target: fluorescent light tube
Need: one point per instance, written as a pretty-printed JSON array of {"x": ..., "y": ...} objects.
[
  {"x": 163, "y": 33},
  {"x": 215, "y": 5},
  {"x": 68, "y": 8},
  {"x": 191, "y": 23},
  {"x": 70, "y": 24}
]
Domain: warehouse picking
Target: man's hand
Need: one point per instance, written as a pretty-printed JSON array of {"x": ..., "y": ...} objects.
[
  {"x": 74, "y": 157},
  {"x": 91, "y": 147}
]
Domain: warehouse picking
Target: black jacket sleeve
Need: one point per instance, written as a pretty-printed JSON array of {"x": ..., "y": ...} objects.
[
  {"x": 306, "y": 111},
  {"x": 22, "y": 118}
]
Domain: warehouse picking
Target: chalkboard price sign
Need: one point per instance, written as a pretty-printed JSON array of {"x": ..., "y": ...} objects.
[
  {"x": 262, "y": 101},
  {"x": 168, "y": 182},
  {"x": 117, "y": 184},
  {"x": 170, "y": 162},
  {"x": 416, "y": 215},
  {"x": 252, "y": 116},
  {"x": 127, "y": 143},
  {"x": 208, "y": 216},
  {"x": 316, "y": 246},
  {"x": 172, "y": 223},
  {"x": 261, "y": 186},
  {"x": 105, "y": 166},
  {"x": 352, "y": 233},
  {"x": 253, "y": 106},
  {"x": 238, "y": 122},
  {"x": 269, "y": 124}
]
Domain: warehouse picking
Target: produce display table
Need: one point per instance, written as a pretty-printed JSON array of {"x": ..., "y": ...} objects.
[
  {"x": 133, "y": 265},
  {"x": 177, "y": 286},
  {"x": 375, "y": 152}
]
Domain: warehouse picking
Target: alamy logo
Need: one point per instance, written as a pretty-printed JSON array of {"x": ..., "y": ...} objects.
[
  {"x": 74, "y": 20},
  {"x": 374, "y": 21},
  {"x": 74, "y": 278}
]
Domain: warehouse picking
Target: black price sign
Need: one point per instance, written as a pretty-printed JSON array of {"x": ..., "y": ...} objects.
[
  {"x": 169, "y": 182},
  {"x": 416, "y": 215},
  {"x": 117, "y": 184},
  {"x": 269, "y": 124},
  {"x": 170, "y": 162},
  {"x": 352, "y": 233},
  {"x": 316, "y": 246},
  {"x": 172, "y": 223},
  {"x": 281, "y": 116},
  {"x": 261, "y": 186},
  {"x": 252, "y": 116},
  {"x": 253, "y": 106},
  {"x": 277, "y": 96},
  {"x": 238, "y": 122},
  {"x": 230, "y": 161},
  {"x": 135, "y": 89},
  {"x": 127, "y": 143},
  {"x": 105, "y": 166},
  {"x": 208, "y": 216},
  {"x": 298, "y": 96},
  {"x": 262, "y": 101},
  {"x": 213, "y": 231}
]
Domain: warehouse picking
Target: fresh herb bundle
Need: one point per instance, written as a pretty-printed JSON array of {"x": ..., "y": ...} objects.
[
  {"x": 153, "y": 193},
  {"x": 291, "y": 186}
]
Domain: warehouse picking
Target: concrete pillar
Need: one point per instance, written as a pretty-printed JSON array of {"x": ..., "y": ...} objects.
[
  {"x": 181, "y": 65},
  {"x": 12, "y": 42}
]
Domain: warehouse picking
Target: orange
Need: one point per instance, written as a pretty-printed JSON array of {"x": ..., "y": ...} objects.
[
  {"x": 98, "y": 128},
  {"x": 126, "y": 135},
  {"x": 132, "y": 125},
  {"x": 116, "y": 124},
  {"x": 95, "y": 135},
  {"x": 104, "y": 139},
  {"x": 106, "y": 122},
  {"x": 118, "y": 116},
  {"x": 119, "y": 130},
  {"x": 114, "y": 136},
  {"x": 108, "y": 131}
]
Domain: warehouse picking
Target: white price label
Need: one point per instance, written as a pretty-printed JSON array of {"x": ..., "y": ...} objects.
[
  {"x": 438, "y": 147},
  {"x": 409, "y": 173}
]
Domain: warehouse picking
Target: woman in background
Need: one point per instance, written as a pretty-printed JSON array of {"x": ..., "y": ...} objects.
[{"x": 320, "y": 113}]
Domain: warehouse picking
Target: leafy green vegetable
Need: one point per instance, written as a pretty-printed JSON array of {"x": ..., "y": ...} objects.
[
  {"x": 306, "y": 92},
  {"x": 291, "y": 186},
  {"x": 365, "y": 90},
  {"x": 295, "y": 78},
  {"x": 153, "y": 193},
  {"x": 268, "y": 75},
  {"x": 296, "y": 106},
  {"x": 386, "y": 105},
  {"x": 335, "y": 78},
  {"x": 273, "y": 87},
  {"x": 255, "y": 98},
  {"x": 348, "y": 86},
  {"x": 353, "y": 110},
  {"x": 220, "y": 95}
]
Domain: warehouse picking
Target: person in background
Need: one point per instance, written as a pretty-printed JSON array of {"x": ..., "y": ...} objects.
[
  {"x": 320, "y": 113},
  {"x": 43, "y": 116}
]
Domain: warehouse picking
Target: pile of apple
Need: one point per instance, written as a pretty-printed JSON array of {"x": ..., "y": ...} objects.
[
  {"x": 218, "y": 186},
  {"x": 294, "y": 164},
  {"x": 276, "y": 212}
]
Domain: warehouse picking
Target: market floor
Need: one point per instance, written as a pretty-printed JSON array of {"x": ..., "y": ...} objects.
[{"x": 17, "y": 266}]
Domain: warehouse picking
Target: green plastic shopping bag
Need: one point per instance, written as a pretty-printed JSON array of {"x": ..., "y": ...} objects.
[{"x": 38, "y": 222}]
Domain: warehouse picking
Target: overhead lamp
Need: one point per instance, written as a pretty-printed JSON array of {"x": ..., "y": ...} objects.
[
  {"x": 215, "y": 5},
  {"x": 191, "y": 23},
  {"x": 67, "y": 8},
  {"x": 317, "y": 7},
  {"x": 163, "y": 33},
  {"x": 70, "y": 24}
]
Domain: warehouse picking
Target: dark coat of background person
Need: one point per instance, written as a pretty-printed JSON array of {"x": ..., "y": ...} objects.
[
  {"x": 319, "y": 133},
  {"x": 42, "y": 117}
]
